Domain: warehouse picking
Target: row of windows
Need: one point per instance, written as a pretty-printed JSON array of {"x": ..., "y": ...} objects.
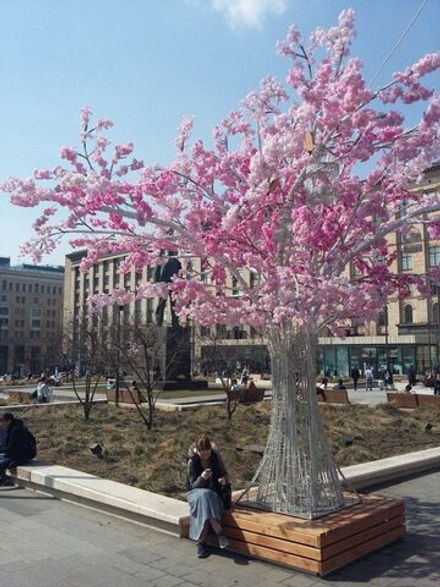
[
  {"x": 407, "y": 315},
  {"x": 433, "y": 258},
  {"x": 31, "y": 288}
]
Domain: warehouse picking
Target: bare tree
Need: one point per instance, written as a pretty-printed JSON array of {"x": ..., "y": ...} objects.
[
  {"x": 85, "y": 348},
  {"x": 148, "y": 352},
  {"x": 221, "y": 357}
]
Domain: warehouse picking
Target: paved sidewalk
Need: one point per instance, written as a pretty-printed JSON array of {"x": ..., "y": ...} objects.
[{"x": 48, "y": 543}]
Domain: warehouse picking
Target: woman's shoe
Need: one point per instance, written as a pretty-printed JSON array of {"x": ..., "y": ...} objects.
[
  {"x": 222, "y": 540},
  {"x": 201, "y": 550}
]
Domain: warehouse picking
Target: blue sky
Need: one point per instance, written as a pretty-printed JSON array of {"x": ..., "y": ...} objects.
[{"x": 147, "y": 63}]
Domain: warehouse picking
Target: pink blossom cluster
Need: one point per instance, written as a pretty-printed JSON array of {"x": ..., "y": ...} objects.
[{"x": 276, "y": 196}]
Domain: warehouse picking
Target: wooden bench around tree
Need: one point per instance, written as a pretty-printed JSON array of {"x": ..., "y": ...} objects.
[{"x": 315, "y": 546}]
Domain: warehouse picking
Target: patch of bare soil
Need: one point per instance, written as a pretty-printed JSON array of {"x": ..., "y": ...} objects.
[{"x": 155, "y": 460}]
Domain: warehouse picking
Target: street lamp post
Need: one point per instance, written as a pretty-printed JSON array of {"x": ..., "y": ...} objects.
[
  {"x": 438, "y": 327},
  {"x": 387, "y": 354},
  {"x": 118, "y": 355}
]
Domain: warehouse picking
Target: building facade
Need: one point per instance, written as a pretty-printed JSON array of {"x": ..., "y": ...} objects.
[
  {"x": 406, "y": 333},
  {"x": 31, "y": 302}
]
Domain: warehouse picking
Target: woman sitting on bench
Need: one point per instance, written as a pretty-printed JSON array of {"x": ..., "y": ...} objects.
[{"x": 209, "y": 492}]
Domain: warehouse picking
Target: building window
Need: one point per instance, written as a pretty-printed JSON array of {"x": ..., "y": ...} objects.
[
  {"x": 408, "y": 314},
  {"x": 253, "y": 280},
  {"x": 382, "y": 317},
  {"x": 406, "y": 261},
  {"x": 434, "y": 256},
  {"x": 150, "y": 310},
  {"x": 138, "y": 311},
  {"x": 435, "y": 316},
  {"x": 205, "y": 331}
]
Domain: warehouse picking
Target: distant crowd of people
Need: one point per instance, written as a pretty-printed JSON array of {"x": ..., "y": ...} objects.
[{"x": 385, "y": 380}]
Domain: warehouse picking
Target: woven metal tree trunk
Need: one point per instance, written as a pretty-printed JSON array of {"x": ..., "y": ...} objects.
[{"x": 297, "y": 474}]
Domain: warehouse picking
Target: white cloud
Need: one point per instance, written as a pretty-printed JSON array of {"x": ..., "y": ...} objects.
[{"x": 249, "y": 13}]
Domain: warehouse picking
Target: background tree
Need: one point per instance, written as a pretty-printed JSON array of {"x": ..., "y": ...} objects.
[
  {"x": 85, "y": 348},
  {"x": 141, "y": 351},
  {"x": 221, "y": 359},
  {"x": 279, "y": 193}
]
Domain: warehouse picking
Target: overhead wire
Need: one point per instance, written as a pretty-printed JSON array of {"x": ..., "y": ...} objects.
[{"x": 398, "y": 42}]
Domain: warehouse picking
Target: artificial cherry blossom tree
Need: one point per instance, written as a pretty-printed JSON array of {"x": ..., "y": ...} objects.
[{"x": 280, "y": 193}]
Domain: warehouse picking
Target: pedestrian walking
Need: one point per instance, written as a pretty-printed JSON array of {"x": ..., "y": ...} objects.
[
  {"x": 355, "y": 374},
  {"x": 368, "y": 379}
]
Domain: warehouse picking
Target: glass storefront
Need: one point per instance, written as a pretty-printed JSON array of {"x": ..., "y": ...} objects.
[{"x": 338, "y": 361}]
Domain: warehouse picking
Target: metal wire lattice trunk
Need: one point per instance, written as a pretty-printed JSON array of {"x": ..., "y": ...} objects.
[{"x": 297, "y": 474}]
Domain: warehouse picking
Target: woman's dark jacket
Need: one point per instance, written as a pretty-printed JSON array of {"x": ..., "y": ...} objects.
[
  {"x": 20, "y": 445},
  {"x": 195, "y": 470}
]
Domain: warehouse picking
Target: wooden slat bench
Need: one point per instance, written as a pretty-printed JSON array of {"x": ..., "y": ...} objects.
[
  {"x": 316, "y": 546},
  {"x": 247, "y": 396},
  {"x": 17, "y": 396},
  {"x": 428, "y": 401},
  {"x": 413, "y": 400},
  {"x": 335, "y": 396},
  {"x": 125, "y": 397}
]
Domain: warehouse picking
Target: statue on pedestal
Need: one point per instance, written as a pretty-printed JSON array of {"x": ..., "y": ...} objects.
[{"x": 165, "y": 274}]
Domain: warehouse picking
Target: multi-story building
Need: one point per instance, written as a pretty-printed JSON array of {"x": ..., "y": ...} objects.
[
  {"x": 31, "y": 301},
  {"x": 406, "y": 333}
]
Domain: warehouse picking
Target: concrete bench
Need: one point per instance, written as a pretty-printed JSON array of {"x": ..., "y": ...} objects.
[{"x": 151, "y": 509}]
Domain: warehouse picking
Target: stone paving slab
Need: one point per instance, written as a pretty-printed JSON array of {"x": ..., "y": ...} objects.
[{"x": 45, "y": 542}]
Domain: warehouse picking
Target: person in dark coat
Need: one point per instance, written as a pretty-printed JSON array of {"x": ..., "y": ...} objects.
[
  {"x": 437, "y": 385},
  {"x": 209, "y": 493},
  {"x": 19, "y": 447},
  {"x": 355, "y": 374}
]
